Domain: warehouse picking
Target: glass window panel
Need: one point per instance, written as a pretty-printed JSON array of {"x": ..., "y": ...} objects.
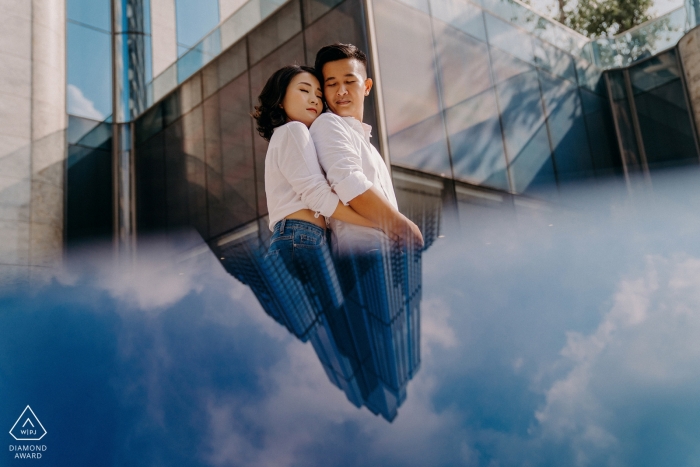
[
  {"x": 476, "y": 142},
  {"x": 617, "y": 85},
  {"x": 191, "y": 93},
  {"x": 210, "y": 79},
  {"x": 532, "y": 167},
  {"x": 291, "y": 52},
  {"x": 177, "y": 203},
  {"x": 509, "y": 38},
  {"x": 422, "y": 146},
  {"x": 666, "y": 125},
  {"x": 527, "y": 142},
  {"x": 460, "y": 14},
  {"x": 89, "y": 194},
  {"x": 171, "y": 107},
  {"x": 213, "y": 164},
  {"x": 194, "y": 59},
  {"x": 590, "y": 77},
  {"x": 412, "y": 109},
  {"x": 240, "y": 23},
  {"x": 344, "y": 24},
  {"x": 193, "y": 148},
  {"x": 89, "y": 92},
  {"x": 232, "y": 63},
  {"x": 150, "y": 185},
  {"x": 268, "y": 7},
  {"x": 314, "y": 9},
  {"x": 276, "y": 30},
  {"x": 89, "y": 133},
  {"x": 165, "y": 82},
  {"x": 79, "y": 127},
  {"x": 95, "y": 13},
  {"x": 601, "y": 133},
  {"x": 623, "y": 119},
  {"x": 505, "y": 66},
  {"x": 148, "y": 58},
  {"x": 231, "y": 173},
  {"x": 421, "y": 5},
  {"x": 554, "y": 60},
  {"x": 407, "y": 64},
  {"x": 194, "y": 19},
  {"x": 463, "y": 62},
  {"x": 654, "y": 72},
  {"x": 567, "y": 128},
  {"x": 502, "y": 8}
]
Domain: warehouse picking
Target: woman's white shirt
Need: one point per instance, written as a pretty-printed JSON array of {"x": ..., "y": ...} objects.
[{"x": 293, "y": 176}]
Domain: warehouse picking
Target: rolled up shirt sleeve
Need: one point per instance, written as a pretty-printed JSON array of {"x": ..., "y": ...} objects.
[
  {"x": 339, "y": 157},
  {"x": 301, "y": 168}
]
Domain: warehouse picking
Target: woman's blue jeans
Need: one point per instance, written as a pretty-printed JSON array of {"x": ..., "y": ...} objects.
[{"x": 303, "y": 249}]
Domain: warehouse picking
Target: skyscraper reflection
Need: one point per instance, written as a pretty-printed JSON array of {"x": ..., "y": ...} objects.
[{"x": 361, "y": 315}]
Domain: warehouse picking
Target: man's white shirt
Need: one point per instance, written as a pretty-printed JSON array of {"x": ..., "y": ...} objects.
[{"x": 352, "y": 166}]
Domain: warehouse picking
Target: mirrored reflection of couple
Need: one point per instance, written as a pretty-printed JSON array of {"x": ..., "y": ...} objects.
[{"x": 345, "y": 263}]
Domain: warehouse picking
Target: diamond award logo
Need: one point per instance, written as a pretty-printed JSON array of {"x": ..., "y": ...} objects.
[{"x": 27, "y": 427}]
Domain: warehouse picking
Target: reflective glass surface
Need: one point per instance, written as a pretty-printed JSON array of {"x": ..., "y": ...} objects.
[
  {"x": 199, "y": 161},
  {"x": 95, "y": 13},
  {"x": 568, "y": 132},
  {"x": 525, "y": 132},
  {"x": 502, "y": 84},
  {"x": 415, "y": 125},
  {"x": 547, "y": 337},
  {"x": 88, "y": 181},
  {"x": 640, "y": 42},
  {"x": 194, "y": 18},
  {"x": 89, "y": 72},
  {"x": 664, "y": 118}
]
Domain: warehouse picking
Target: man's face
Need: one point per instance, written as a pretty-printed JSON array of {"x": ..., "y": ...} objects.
[{"x": 345, "y": 86}]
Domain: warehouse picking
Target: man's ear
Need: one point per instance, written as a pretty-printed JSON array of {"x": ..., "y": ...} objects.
[{"x": 368, "y": 86}]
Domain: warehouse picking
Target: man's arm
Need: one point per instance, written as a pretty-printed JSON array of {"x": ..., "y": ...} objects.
[
  {"x": 343, "y": 166},
  {"x": 375, "y": 207}
]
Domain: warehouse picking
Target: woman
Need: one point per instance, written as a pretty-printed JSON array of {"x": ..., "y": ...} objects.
[{"x": 299, "y": 197}]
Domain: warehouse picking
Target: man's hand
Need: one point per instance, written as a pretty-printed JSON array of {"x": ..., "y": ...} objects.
[
  {"x": 374, "y": 206},
  {"x": 416, "y": 236}
]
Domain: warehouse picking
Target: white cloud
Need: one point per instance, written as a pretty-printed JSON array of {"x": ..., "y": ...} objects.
[
  {"x": 644, "y": 349},
  {"x": 81, "y": 106}
]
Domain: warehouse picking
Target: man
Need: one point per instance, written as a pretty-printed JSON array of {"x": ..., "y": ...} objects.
[
  {"x": 380, "y": 276},
  {"x": 354, "y": 168}
]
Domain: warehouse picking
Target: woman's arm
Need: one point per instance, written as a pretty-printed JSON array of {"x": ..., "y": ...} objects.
[{"x": 347, "y": 214}]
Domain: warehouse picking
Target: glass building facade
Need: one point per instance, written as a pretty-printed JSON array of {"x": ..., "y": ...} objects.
[{"x": 475, "y": 102}]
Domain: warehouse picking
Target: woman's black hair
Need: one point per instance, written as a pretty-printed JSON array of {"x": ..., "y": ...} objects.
[{"x": 269, "y": 113}]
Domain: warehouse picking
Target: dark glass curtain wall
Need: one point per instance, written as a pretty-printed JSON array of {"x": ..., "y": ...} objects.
[
  {"x": 199, "y": 161},
  {"x": 472, "y": 97}
]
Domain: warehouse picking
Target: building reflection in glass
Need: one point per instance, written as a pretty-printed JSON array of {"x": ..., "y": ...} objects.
[{"x": 367, "y": 337}]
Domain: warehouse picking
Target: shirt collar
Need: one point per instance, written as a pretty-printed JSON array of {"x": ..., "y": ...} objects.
[{"x": 360, "y": 127}]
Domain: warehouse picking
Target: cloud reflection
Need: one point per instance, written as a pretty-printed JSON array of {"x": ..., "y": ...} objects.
[{"x": 573, "y": 343}]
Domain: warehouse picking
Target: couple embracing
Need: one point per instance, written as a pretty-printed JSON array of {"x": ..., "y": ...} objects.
[{"x": 322, "y": 172}]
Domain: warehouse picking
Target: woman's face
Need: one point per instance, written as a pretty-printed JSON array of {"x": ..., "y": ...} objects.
[{"x": 303, "y": 99}]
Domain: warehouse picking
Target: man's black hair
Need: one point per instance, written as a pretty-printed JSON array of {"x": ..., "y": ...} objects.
[{"x": 338, "y": 51}]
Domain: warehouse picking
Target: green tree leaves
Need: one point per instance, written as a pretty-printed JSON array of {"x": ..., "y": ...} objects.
[{"x": 599, "y": 18}]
